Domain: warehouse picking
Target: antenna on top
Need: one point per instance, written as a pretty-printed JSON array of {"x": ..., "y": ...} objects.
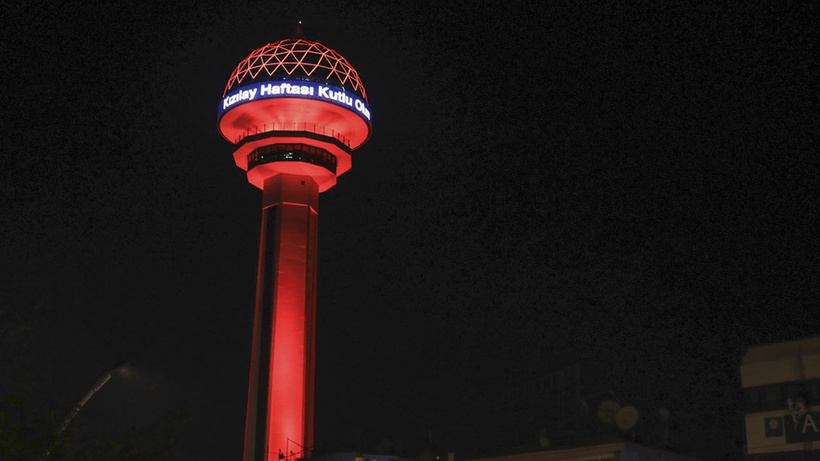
[{"x": 298, "y": 32}]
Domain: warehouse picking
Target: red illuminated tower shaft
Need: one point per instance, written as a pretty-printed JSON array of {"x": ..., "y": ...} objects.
[
  {"x": 295, "y": 110},
  {"x": 280, "y": 397}
]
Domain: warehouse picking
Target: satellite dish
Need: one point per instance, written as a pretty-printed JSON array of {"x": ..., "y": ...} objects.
[
  {"x": 626, "y": 418},
  {"x": 607, "y": 411}
]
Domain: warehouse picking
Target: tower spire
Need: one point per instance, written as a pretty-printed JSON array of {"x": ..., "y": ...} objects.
[{"x": 298, "y": 32}]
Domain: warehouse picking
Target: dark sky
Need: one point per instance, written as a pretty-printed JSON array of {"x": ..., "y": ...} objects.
[{"x": 629, "y": 186}]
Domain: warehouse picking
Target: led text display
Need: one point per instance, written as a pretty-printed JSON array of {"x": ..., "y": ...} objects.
[{"x": 294, "y": 89}]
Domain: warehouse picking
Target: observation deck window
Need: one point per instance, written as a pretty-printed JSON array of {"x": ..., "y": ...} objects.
[{"x": 292, "y": 153}]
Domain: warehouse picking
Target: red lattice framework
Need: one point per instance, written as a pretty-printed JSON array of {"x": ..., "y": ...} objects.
[{"x": 303, "y": 57}]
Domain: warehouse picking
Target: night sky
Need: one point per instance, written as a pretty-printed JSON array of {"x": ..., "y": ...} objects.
[{"x": 633, "y": 187}]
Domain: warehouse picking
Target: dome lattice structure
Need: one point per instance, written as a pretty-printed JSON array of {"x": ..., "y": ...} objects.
[{"x": 297, "y": 58}]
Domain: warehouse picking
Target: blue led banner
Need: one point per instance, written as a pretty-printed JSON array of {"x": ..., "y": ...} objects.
[{"x": 294, "y": 89}]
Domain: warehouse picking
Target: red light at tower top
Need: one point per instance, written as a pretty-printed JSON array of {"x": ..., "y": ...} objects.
[{"x": 295, "y": 110}]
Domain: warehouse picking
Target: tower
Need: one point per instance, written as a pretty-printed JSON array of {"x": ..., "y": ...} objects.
[{"x": 295, "y": 111}]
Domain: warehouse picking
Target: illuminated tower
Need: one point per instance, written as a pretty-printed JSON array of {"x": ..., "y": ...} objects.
[{"x": 295, "y": 111}]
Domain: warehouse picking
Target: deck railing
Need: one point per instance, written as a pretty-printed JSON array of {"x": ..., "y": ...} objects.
[{"x": 309, "y": 127}]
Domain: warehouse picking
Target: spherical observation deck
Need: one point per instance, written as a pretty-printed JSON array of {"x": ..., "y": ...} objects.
[{"x": 294, "y": 106}]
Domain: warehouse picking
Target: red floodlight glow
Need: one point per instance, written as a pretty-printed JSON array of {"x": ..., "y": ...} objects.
[
  {"x": 324, "y": 178},
  {"x": 285, "y": 113},
  {"x": 295, "y": 111},
  {"x": 297, "y": 57}
]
